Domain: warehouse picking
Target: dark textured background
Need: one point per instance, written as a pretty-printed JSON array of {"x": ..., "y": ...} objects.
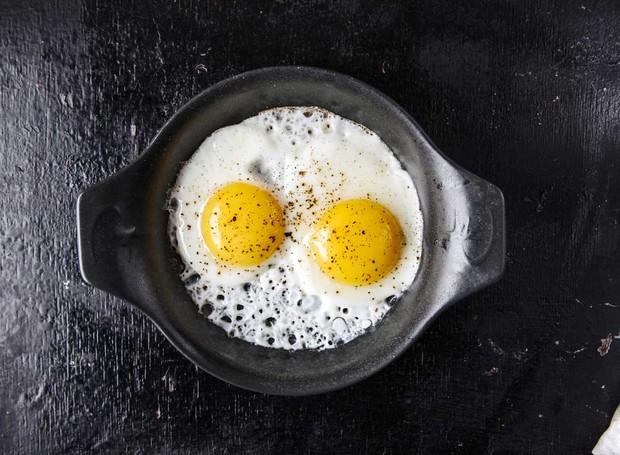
[{"x": 524, "y": 94}]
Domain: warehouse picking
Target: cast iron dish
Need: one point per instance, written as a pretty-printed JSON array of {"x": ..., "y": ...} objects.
[{"x": 124, "y": 248}]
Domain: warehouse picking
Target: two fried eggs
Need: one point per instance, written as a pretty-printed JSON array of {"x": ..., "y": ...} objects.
[{"x": 298, "y": 228}]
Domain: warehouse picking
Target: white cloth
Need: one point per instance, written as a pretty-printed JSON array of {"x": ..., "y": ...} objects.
[{"x": 609, "y": 443}]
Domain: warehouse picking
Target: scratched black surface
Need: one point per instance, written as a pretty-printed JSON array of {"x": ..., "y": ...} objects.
[{"x": 525, "y": 94}]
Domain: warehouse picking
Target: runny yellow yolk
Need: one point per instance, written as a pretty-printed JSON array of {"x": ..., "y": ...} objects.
[
  {"x": 242, "y": 224},
  {"x": 357, "y": 242}
]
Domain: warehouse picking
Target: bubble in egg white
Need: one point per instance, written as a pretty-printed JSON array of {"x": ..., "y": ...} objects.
[{"x": 309, "y": 159}]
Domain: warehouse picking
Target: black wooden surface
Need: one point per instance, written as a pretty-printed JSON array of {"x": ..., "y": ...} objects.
[{"x": 524, "y": 94}]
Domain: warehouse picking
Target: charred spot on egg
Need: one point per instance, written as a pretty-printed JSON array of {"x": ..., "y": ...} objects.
[{"x": 305, "y": 229}]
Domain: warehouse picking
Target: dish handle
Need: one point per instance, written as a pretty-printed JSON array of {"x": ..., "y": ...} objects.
[
  {"x": 482, "y": 235},
  {"x": 107, "y": 235}
]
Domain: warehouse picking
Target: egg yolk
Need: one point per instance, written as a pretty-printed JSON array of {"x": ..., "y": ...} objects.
[
  {"x": 357, "y": 242},
  {"x": 242, "y": 224}
]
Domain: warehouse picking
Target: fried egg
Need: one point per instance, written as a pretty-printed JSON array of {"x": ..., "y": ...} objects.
[{"x": 298, "y": 228}]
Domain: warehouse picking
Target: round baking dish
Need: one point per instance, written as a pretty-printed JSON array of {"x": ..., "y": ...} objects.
[{"x": 124, "y": 247}]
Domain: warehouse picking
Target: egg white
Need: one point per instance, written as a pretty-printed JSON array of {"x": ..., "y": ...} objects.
[{"x": 309, "y": 159}]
